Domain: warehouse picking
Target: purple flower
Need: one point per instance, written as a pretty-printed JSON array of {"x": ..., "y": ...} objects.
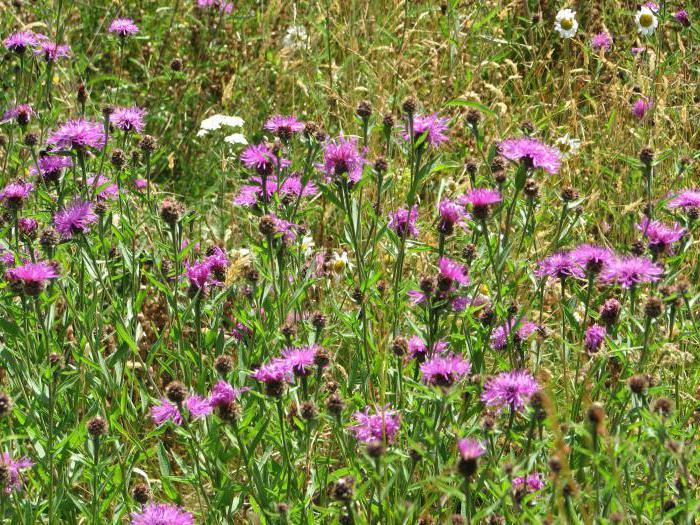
[
  {"x": 27, "y": 226},
  {"x": 224, "y": 7},
  {"x": 161, "y": 514},
  {"x": 380, "y": 426},
  {"x": 74, "y": 219},
  {"x": 51, "y": 51},
  {"x": 341, "y": 158},
  {"x": 15, "y": 193},
  {"x": 481, "y": 201},
  {"x": 682, "y": 17},
  {"x": 277, "y": 371},
  {"x": 453, "y": 271},
  {"x": 106, "y": 191},
  {"x": 261, "y": 158},
  {"x": 18, "y": 42},
  {"x": 523, "y": 330},
  {"x": 660, "y": 236},
  {"x": 223, "y": 394},
  {"x": 283, "y": 126},
  {"x": 22, "y": 113},
  {"x": 451, "y": 213},
  {"x": 560, "y": 265},
  {"x": 32, "y": 276},
  {"x": 686, "y": 199},
  {"x": 403, "y": 222},
  {"x": 446, "y": 370},
  {"x": 51, "y": 166},
  {"x": 218, "y": 263},
  {"x": 637, "y": 51},
  {"x": 299, "y": 360},
  {"x": 509, "y": 389},
  {"x": 164, "y": 412},
  {"x": 630, "y": 271},
  {"x": 14, "y": 470},
  {"x": 430, "y": 126},
  {"x": 594, "y": 338},
  {"x": 470, "y": 449},
  {"x": 531, "y": 483},
  {"x": 78, "y": 134},
  {"x": 533, "y": 153},
  {"x": 252, "y": 194},
  {"x": 592, "y": 258},
  {"x": 128, "y": 119},
  {"x": 641, "y": 106},
  {"x": 601, "y": 41},
  {"x": 199, "y": 274},
  {"x": 123, "y": 27},
  {"x": 199, "y": 406}
]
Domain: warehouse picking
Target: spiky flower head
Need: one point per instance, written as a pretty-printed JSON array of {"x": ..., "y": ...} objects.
[
  {"x": 161, "y": 514},
  {"x": 123, "y": 27},
  {"x": 78, "y": 134},
  {"x": 510, "y": 390},
  {"x": 75, "y": 219},
  {"x": 531, "y": 152},
  {"x": 128, "y": 119},
  {"x": 382, "y": 425}
]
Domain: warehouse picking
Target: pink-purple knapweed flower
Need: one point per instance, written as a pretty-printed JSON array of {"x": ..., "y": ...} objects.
[
  {"x": 342, "y": 158},
  {"x": 106, "y": 190},
  {"x": 383, "y": 425},
  {"x": 276, "y": 371},
  {"x": 641, "y": 106},
  {"x": 509, "y": 390},
  {"x": 686, "y": 199},
  {"x": 161, "y": 514},
  {"x": 592, "y": 258},
  {"x": 78, "y": 134},
  {"x": 166, "y": 411},
  {"x": 223, "y": 394},
  {"x": 682, "y": 17},
  {"x": 532, "y": 153},
  {"x": 594, "y": 338},
  {"x": 299, "y": 360},
  {"x": 20, "y": 41},
  {"x": 32, "y": 276},
  {"x": 13, "y": 482},
  {"x": 470, "y": 450},
  {"x": 501, "y": 334},
  {"x": 284, "y": 126},
  {"x": 198, "y": 406},
  {"x": 51, "y": 51},
  {"x": 430, "y": 128},
  {"x": 601, "y": 41},
  {"x": 630, "y": 271},
  {"x": 15, "y": 194},
  {"x": 199, "y": 275},
  {"x": 293, "y": 186},
  {"x": 531, "y": 483},
  {"x": 27, "y": 226},
  {"x": 123, "y": 27},
  {"x": 451, "y": 213},
  {"x": 22, "y": 113},
  {"x": 559, "y": 265},
  {"x": 74, "y": 219},
  {"x": 221, "y": 5},
  {"x": 660, "y": 236},
  {"x": 51, "y": 166},
  {"x": 481, "y": 200},
  {"x": 128, "y": 119},
  {"x": 403, "y": 222},
  {"x": 452, "y": 272},
  {"x": 445, "y": 370}
]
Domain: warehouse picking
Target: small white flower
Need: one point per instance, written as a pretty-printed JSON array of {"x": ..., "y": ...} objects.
[
  {"x": 647, "y": 22},
  {"x": 568, "y": 146},
  {"x": 307, "y": 245},
  {"x": 216, "y": 121},
  {"x": 566, "y": 24},
  {"x": 340, "y": 263},
  {"x": 236, "y": 138},
  {"x": 296, "y": 38}
]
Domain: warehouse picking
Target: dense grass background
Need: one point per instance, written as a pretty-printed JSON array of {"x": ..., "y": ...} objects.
[{"x": 119, "y": 325}]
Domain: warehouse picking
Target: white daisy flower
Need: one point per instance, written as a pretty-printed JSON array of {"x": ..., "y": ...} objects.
[
  {"x": 216, "y": 121},
  {"x": 568, "y": 146},
  {"x": 296, "y": 38},
  {"x": 307, "y": 245},
  {"x": 566, "y": 24},
  {"x": 340, "y": 263},
  {"x": 647, "y": 22}
]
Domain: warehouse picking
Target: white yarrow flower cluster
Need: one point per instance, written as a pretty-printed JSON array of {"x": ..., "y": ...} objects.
[
  {"x": 295, "y": 38},
  {"x": 646, "y": 20},
  {"x": 566, "y": 24},
  {"x": 215, "y": 122}
]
